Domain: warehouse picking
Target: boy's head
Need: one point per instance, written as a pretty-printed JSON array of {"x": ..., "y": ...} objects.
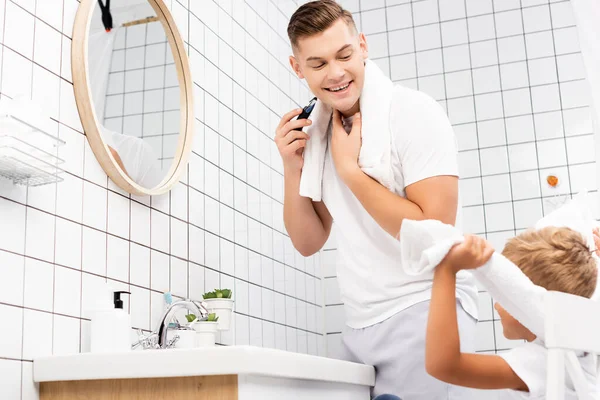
[
  {"x": 554, "y": 258},
  {"x": 329, "y": 53}
]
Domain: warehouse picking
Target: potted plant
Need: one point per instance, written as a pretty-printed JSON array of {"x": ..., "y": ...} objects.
[
  {"x": 206, "y": 329},
  {"x": 219, "y": 301}
]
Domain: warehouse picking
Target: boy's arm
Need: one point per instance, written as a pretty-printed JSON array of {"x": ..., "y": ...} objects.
[{"x": 443, "y": 358}]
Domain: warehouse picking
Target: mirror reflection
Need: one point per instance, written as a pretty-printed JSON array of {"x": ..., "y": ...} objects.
[{"x": 135, "y": 88}]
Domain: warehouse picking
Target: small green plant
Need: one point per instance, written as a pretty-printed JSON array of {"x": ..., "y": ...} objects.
[
  {"x": 212, "y": 317},
  {"x": 218, "y": 294}
]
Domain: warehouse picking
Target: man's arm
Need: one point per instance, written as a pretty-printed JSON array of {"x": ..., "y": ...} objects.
[
  {"x": 308, "y": 223},
  {"x": 443, "y": 359},
  {"x": 431, "y": 198}
]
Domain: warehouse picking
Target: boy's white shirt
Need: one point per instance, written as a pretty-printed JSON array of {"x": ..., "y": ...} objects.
[
  {"x": 373, "y": 285},
  {"x": 529, "y": 363}
]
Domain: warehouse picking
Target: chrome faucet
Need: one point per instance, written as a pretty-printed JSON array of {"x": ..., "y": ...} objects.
[{"x": 157, "y": 339}]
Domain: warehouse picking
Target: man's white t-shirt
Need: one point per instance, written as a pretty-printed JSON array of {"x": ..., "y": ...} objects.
[
  {"x": 371, "y": 279},
  {"x": 529, "y": 363}
]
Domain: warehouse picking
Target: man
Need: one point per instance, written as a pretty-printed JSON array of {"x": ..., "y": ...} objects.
[{"x": 386, "y": 310}]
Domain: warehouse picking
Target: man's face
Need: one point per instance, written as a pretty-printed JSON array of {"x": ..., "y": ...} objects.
[{"x": 333, "y": 64}]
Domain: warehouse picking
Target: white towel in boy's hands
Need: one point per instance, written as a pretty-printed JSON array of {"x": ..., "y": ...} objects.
[
  {"x": 424, "y": 244},
  {"x": 375, "y": 153}
]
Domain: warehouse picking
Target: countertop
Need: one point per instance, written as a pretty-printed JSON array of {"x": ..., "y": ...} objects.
[{"x": 219, "y": 360}]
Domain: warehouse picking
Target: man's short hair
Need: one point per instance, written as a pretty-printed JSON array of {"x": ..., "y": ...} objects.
[{"x": 315, "y": 17}]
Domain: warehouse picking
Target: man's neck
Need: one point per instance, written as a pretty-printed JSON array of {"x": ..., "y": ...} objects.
[{"x": 355, "y": 108}]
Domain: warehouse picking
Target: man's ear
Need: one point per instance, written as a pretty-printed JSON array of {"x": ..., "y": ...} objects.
[
  {"x": 296, "y": 67},
  {"x": 364, "y": 47}
]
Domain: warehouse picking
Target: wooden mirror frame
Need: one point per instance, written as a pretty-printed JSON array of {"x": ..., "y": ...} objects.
[{"x": 87, "y": 113}]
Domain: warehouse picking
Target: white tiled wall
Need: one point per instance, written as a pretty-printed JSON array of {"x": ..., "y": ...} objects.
[
  {"x": 220, "y": 226},
  {"x": 510, "y": 75}
]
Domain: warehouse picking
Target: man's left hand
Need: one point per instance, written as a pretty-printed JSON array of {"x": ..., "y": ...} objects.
[{"x": 345, "y": 148}]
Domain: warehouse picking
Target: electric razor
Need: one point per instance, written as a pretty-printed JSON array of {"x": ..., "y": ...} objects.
[{"x": 307, "y": 110}]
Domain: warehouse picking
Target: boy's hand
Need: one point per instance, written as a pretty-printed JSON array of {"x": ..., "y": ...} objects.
[
  {"x": 596, "y": 232},
  {"x": 472, "y": 253}
]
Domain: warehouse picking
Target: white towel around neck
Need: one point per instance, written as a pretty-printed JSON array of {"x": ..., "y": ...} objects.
[{"x": 375, "y": 153}]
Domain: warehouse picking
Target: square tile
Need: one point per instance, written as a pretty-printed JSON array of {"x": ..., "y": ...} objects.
[
  {"x": 486, "y": 80},
  {"x": 94, "y": 251},
  {"x": 539, "y": 44},
  {"x": 456, "y": 58},
  {"x": 118, "y": 259},
  {"x": 545, "y": 98},
  {"x": 517, "y": 102},
  {"x": 11, "y": 346},
  {"x": 399, "y": 17},
  {"x": 427, "y": 37},
  {"x": 537, "y": 19},
  {"x": 461, "y": 110},
  {"x": 471, "y": 193},
  {"x": 67, "y": 291},
  {"x": 452, "y": 9},
  {"x": 466, "y": 136},
  {"x": 520, "y": 129},
  {"x": 551, "y": 153},
  {"x": 583, "y": 176},
  {"x": 473, "y": 220},
  {"x": 434, "y": 86},
  {"x": 525, "y": 185},
  {"x": 496, "y": 188},
  {"x": 458, "y": 84},
  {"x": 577, "y": 121},
  {"x": 491, "y": 133},
  {"x": 548, "y": 125},
  {"x": 40, "y": 231},
  {"x": 494, "y": 161},
  {"x": 453, "y": 32},
  {"x": 574, "y": 94},
  {"x": 523, "y": 157},
  {"x": 511, "y": 49},
  {"x": 39, "y": 289},
  {"x": 481, "y": 28},
  {"x": 373, "y": 21},
  {"x": 581, "y": 149},
  {"x": 488, "y": 106},
  {"x": 527, "y": 213},
  {"x": 514, "y": 75},
  {"x": 562, "y": 15},
  {"x": 479, "y": 7},
  {"x": 484, "y": 54},
  {"x": 428, "y": 63},
  {"x": 499, "y": 217},
  {"x": 469, "y": 164},
  {"x": 403, "y": 67}
]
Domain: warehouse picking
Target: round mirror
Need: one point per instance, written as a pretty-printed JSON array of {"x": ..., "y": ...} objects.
[{"x": 133, "y": 91}]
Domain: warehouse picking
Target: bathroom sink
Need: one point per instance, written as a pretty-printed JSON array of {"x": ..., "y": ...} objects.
[{"x": 255, "y": 372}]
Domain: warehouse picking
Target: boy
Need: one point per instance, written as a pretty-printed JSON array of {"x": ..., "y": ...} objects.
[
  {"x": 554, "y": 258},
  {"x": 385, "y": 309}
]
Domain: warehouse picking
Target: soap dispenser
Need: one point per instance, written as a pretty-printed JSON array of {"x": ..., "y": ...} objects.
[{"x": 111, "y": 328}]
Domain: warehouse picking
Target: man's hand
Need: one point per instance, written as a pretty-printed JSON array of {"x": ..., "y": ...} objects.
[
  {"x": 470, "y": 254},
  {"x": 345, "y": 148},
  {"x": 290, "y": 142}
]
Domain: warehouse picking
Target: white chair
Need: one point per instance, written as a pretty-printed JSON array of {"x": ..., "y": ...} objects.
[{"x": 572, "y": 325}]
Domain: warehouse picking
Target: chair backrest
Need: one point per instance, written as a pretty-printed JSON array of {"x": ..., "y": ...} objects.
[{"x": 572, "y": 324}]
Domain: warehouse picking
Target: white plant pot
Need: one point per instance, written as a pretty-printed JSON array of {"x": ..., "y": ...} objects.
[
  {"x": 188, "y": 339},
  {"x": 223, "y": 308},
  {"x": 206, "y": 333}
]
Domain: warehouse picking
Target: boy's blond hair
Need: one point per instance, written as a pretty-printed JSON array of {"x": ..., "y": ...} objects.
[{"x": 556, "y": 259}]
